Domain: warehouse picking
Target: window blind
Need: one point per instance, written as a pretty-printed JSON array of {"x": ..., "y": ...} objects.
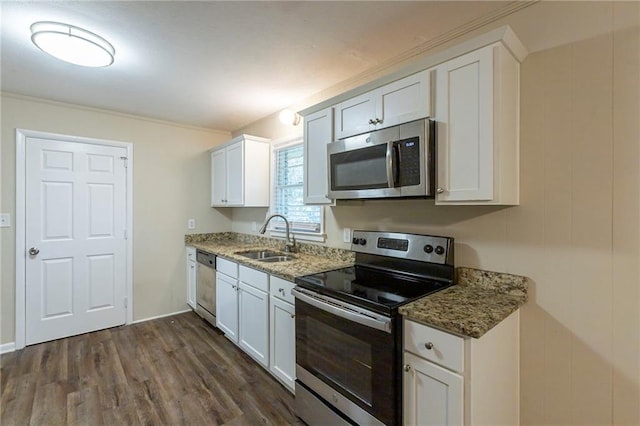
[{"x": 288, "y": 192}]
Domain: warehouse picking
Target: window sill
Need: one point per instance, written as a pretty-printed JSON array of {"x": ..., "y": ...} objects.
[{"x": 300, "y": 236}]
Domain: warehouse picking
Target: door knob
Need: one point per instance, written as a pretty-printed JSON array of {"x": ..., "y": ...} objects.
[
  {"x": 33, "y": 251},
  {"x": 439, "y": 190}
]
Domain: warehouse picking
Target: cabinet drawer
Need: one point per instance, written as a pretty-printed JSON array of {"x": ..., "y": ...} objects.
[
  {"x": 254, "y": 278},
  {"x": 446, "y": 349},
  {"x": 227, "y": 267},
  {"x": 282, "y": 289}
]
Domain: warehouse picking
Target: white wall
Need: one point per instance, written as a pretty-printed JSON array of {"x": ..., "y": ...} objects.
[
  {"x": 576, "y": 233},
  {"x": 170, "y": 185}
]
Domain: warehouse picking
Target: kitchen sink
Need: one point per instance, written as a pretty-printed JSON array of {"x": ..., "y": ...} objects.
[
  {"x": 276, "y": 259},
  {"x": 266, "y": 256}
]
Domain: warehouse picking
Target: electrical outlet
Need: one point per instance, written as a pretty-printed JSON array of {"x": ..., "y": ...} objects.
[
  {"x": 191, "y": 224},
  {"x": 5, "y": 220},
  {"x": 346, "y": 235}
]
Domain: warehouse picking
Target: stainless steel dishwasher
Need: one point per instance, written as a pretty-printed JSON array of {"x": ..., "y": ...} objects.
[{"x": 206, "y": 286}]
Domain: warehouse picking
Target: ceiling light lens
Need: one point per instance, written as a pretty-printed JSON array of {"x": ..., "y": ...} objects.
[
  {"x": 289, "y": 117},
  {"x": 72, "y": 44}
]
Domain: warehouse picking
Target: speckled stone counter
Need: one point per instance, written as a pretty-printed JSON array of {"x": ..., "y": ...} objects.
[
  {"x": 479, "y": 301},
  {"x": 309, "y": 259}
]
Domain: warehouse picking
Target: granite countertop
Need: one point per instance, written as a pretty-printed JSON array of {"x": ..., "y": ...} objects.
[
  {"x": 478, "y": 302},
  {"x": 309, "y": 259}
]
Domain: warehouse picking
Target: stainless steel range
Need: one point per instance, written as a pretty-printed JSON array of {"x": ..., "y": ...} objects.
[{"x": 349, "y": 332}]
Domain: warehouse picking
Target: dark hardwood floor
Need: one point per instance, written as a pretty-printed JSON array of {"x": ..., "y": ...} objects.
[{"x": 170, "y": 371}]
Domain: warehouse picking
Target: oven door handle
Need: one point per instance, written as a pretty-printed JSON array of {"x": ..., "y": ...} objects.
[{"x": 344, "y": 310}]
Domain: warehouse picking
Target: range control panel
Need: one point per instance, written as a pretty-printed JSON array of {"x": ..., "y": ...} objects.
[{"x": 426, "y": 248}]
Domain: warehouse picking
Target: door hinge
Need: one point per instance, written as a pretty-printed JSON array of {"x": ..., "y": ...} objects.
[
  {"x": 126, "y": 302},
  {"x": 126, "y": 161},
  {"x": 126, "y": 235}
]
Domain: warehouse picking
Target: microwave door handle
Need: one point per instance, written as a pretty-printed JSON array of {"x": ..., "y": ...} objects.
[{"x": 390, "y": 166}]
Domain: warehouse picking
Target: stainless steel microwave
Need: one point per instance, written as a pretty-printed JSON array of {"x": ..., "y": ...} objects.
[{"x": 398, "y": 161}]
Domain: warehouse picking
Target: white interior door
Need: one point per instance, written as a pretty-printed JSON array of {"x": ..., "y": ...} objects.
[{"x": 75, "y": 235}]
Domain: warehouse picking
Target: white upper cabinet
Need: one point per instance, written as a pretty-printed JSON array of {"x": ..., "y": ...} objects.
[
  {"x": 398, "y": 102},
  {"x": 318, "y": 132},
  {"x": 240, "y": 173},
  {"x": 471, "y": 90},
  {"x": 356, "y": 115},
  {"x": 477, "y": 114}
]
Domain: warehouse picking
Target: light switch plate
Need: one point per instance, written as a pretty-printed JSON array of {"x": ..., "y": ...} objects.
[
  {"x": 5, "y": 220},
  {"x": 346, "y": 235},
  {"x": 191, "y": 224}
]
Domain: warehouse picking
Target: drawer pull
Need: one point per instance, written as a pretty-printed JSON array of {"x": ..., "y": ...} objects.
[
  {"x": 407, "y": 368},
  {"x": 428, "y": 346}
]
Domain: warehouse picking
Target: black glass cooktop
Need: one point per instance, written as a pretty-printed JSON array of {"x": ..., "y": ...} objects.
[{"x": 378, "y": 291}]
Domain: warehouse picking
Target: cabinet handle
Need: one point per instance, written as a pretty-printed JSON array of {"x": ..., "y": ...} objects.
[
  {"x": 428, "y": 346},
  {"x": 378, "y": 121},
  {"x": 372, "y": 121},
  {"x": 293, "y": 316},
  {"x": 439, "y": 190},
  {"x": 281, "y": 290},
  {"x": 407, "y": 368}
]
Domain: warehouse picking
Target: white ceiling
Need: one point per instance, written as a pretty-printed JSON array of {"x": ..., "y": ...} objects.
[{"x": 221, "y": 64}]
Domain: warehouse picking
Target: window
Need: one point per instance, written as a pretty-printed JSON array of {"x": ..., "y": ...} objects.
[{"x": 288, "y": 192}]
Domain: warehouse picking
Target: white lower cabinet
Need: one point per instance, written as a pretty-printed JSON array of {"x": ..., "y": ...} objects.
[
  {"x": 256, "y": 311},
  {"x": 453, "y": 381},
  {"x": 227, "y": 305},
  {"x": 254, "y": 322},
  {"x": 191, "y": 277},
  {"x": 433, "y": 395},
  {"x": 282, "y": 332}
]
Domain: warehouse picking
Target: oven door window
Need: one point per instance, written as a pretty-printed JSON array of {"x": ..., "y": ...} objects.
[
  {"x": 362, "y": 168},
  {"x": 355, "y": 360}
]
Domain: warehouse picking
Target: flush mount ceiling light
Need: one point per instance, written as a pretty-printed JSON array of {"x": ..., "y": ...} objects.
[
  {"x": 72, "y": 44},
  {"x": 289, "y": 117}
]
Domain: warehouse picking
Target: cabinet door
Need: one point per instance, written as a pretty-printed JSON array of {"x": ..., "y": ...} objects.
[
  {"x": 191, "y": 283},
  {"x": 218, "y": 178},
  {"x": 464, "y": 107},
  {"x": 282, "y": 341},
  {"x": 353, "y": 116},
  {"x": 235, "y": 174},
  {"x": 432, "y": 395},
  {"x": 318, "y": 132},
  {"x": 405, "y": 100},
  {"x": 227, "y": 306},
  {"x": 254, "y": 323}
]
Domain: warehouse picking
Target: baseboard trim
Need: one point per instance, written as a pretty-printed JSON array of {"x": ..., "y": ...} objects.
[
  {"x": 7, "y": 347},
  {"x": 161, "y": 316}
]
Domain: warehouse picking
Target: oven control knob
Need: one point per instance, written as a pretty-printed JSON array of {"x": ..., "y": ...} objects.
[
  {"x": 428, "y": 248},
  {"x": 439, "y": 250},
  {"x": 355, "y": 240},
  {"x": 362, "y": 241}
]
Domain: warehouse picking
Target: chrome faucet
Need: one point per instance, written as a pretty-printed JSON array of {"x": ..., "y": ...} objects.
[{"x": 290, "y": 242}]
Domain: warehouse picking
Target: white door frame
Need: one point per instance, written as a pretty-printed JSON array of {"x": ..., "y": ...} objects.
[{"x": 21, "y": 163}]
